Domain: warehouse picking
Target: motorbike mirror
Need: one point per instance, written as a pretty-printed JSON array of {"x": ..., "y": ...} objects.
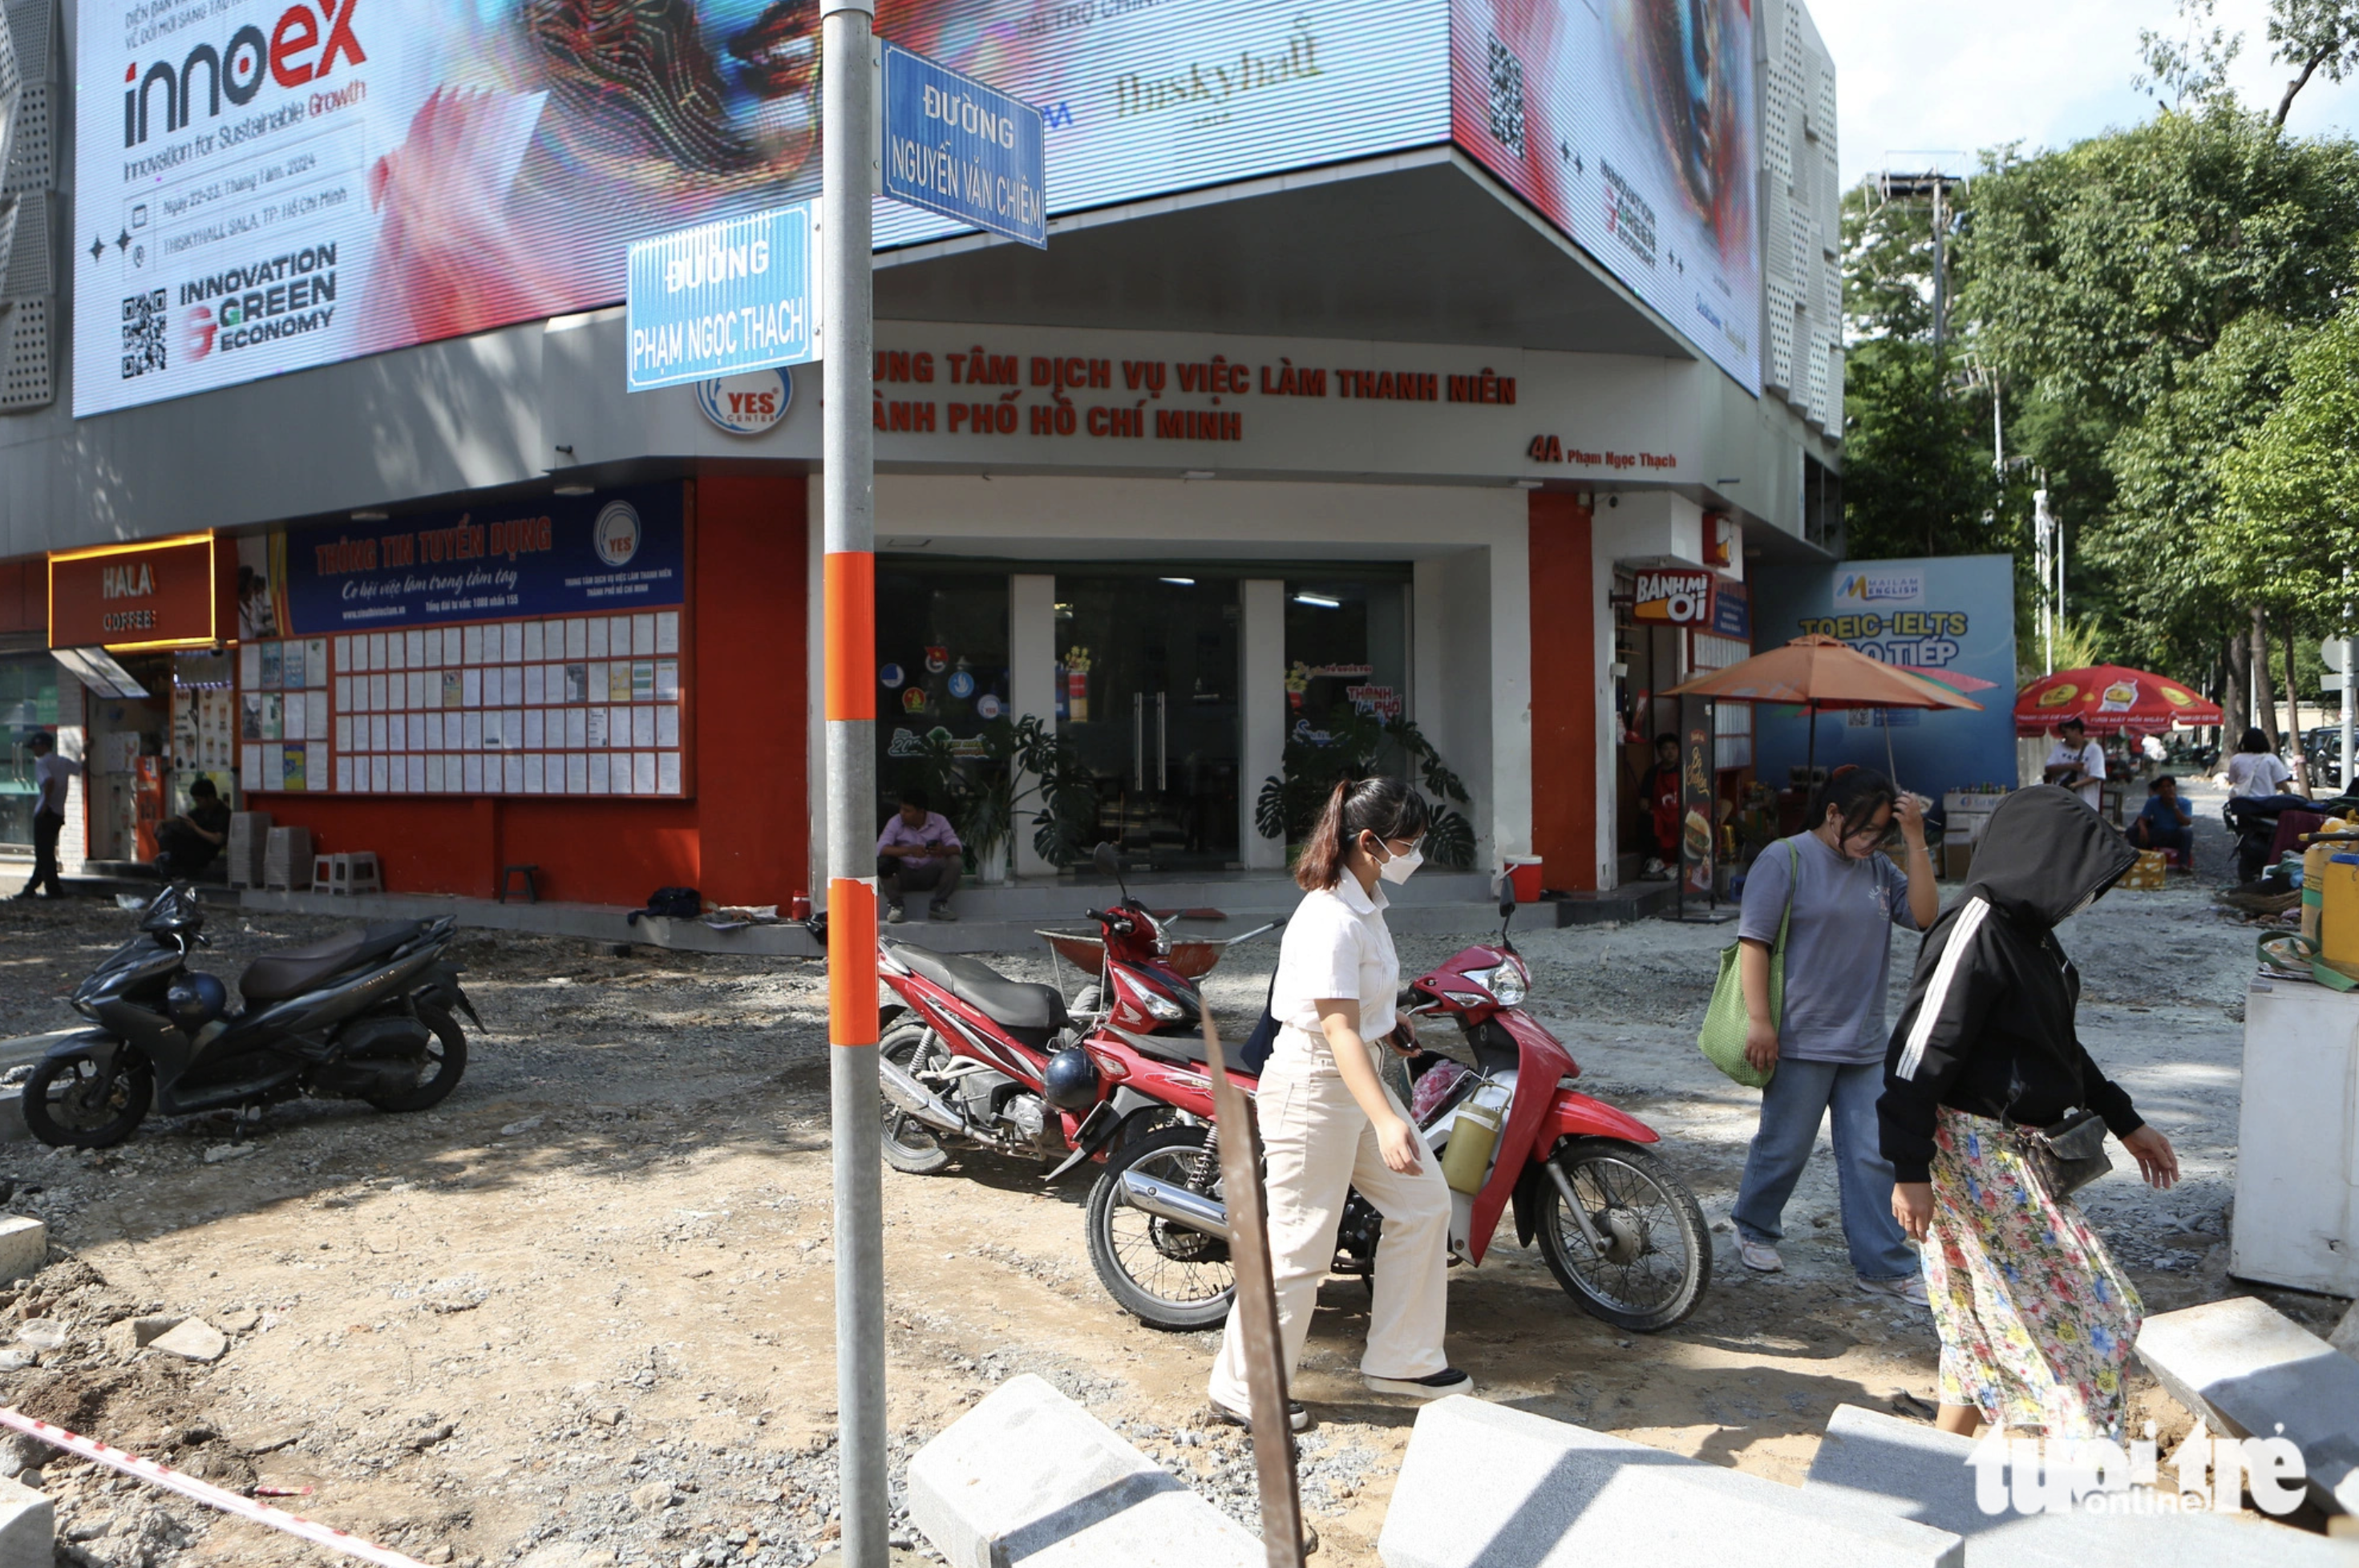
[
  {"x": 1507, "y": 897},
  {"x": 1107, "y": 861}
]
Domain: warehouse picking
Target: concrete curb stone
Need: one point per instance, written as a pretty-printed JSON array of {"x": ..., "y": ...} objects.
[
  {"x": 1029, "y": 1476},
  {"x": 1913, "y": 1471},
  {"x": 1483, "y": 1484}
]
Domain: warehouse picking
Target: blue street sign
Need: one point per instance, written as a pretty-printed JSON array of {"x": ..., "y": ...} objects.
[
  {"x": 725, "y": 298},
  {"x": 966, "y": 151}
]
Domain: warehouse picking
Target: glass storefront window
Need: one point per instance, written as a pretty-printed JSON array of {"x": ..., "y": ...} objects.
[
  {"x": 942, "y": 665},
  {"x": 1147, "y": 685},
  {"x": 1346, "y": 650},
  {"x": 28, "y": 703}
]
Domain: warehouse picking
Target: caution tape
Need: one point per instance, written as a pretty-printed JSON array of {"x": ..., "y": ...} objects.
[{"x": 204, "y": 1492}]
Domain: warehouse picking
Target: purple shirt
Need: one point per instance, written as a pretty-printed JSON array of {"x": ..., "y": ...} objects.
[{"x": 936, "y": 834}]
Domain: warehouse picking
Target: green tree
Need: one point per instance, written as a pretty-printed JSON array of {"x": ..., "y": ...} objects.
[
  {"x": 1918, "y": 472},
  {"x": 2289, "y": 530},
  {"x": 2100, "y": 280}
]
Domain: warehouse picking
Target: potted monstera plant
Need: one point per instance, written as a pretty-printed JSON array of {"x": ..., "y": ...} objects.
[
  {"x": 1354, "y": 745},
  {"x": 1021, "y": 767}
]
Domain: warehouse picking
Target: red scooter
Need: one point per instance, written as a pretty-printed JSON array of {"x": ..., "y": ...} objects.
[
  {"x": 969, "y": 1057},
  {"x": 1621, "y": 1233}
]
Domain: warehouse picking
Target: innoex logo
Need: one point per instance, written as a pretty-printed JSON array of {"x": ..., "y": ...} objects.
[
  {"x": 1880, "y": 588},
  {"x": 303, "y": 45}
]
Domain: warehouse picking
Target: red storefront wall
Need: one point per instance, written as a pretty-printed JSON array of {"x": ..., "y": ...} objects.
[
  {"x": 741, "y": 839},
  {"x": 1564, "y": 693}
]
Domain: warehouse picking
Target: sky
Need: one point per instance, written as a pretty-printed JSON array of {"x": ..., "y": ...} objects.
[{"x": 1923, "y": 83}]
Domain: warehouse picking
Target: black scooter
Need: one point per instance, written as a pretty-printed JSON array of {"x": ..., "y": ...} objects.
[{"x": 366, "y": 1015}]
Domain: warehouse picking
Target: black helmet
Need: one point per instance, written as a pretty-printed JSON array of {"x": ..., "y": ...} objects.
[
  {"x": 195, "y": 1001},
  {"x": 1069, "y": 1082}
]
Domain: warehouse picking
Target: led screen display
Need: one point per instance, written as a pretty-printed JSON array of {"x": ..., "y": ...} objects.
[
  {"x": 266, "y": 185},
  {"x": 1630, "y": 126}
]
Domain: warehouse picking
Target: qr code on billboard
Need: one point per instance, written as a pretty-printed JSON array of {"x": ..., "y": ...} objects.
[
  {"x": 144, "y": 323},
  {"x": 1506, "y": 98}
]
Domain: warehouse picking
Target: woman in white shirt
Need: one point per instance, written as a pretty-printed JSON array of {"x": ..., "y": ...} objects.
[
  {"x": 2256, "y": 771},
  {"x": 1327, "y": 1123}
]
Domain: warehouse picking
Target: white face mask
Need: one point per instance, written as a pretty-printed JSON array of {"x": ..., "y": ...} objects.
[{"x": 1399, "y": 868}]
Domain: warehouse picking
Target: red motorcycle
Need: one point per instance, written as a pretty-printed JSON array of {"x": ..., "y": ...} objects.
[
  {"x": 969, "y": 1057},
  {"x": 1620, "y": 1232}
]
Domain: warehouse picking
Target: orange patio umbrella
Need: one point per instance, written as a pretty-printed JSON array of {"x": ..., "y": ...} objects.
[{"x": 1814, "y": 672}]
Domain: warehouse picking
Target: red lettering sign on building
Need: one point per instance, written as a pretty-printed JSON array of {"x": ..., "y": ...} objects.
[{"x": 162, "y": 594}]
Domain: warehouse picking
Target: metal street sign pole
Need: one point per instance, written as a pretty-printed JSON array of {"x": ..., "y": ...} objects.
[{"x": 849, "y": 594}]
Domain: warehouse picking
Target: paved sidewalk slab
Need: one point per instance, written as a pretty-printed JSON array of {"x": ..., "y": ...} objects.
[
  {"x": 2251, "y": 1371},
  {"x": 1913, "y": 1471},
  {"x": 1029, "y": 1478},
  {"x": 1482, "y": 1484}
]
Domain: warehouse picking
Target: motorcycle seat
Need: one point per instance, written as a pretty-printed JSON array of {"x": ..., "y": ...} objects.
[
  {"x": 1029, "y": 1012},
  {"x": 291, "y": 971}
]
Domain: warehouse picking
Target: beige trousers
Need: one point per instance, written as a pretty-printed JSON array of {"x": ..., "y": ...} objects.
[{"x": 1318, "y": 1145}]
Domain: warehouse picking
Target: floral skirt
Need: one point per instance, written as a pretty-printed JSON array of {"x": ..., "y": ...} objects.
[{"x": 2037, "y": 1321}]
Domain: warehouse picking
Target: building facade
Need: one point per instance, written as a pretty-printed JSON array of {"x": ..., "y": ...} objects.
[{"x": 1365, "y": 374}]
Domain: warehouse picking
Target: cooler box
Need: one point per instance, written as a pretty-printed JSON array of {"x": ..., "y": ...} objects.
[
  {"x": 2296, "y": 1220},
  {"x": 1524, "y": 872}
]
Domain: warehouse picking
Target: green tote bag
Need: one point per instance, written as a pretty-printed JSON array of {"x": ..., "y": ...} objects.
[{"x": 1721, "y": 1039}]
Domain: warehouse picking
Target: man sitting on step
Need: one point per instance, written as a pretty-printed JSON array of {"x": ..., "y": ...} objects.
[{"x": 917, "y": 851}]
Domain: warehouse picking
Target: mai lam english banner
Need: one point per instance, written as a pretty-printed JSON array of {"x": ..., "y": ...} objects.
[
  {"x": 1950, "y": 618},
  {"x": 560, "y": 555}
]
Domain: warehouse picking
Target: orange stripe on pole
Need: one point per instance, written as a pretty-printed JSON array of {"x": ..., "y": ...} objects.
[
  {"x": 851, "y": 634},
  {"x": 851, "y": 962}
]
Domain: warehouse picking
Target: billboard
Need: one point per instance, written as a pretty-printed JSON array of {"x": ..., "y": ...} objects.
[
  {"x": 1950, "y": 618},
  {"x": 266, "y": 185},
  {"x": 1630, "y": 126}
]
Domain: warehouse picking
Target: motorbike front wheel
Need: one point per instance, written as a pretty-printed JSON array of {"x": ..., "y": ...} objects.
[
  {"x": 1655, "y": 1259},
  {"x": 71, "y": 1102},
  {"x": 908, "y": 1145},
  {"x": 1165, "y": 1274}
]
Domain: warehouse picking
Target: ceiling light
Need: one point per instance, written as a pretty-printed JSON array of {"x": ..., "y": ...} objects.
[
  {"x": 1196, "y": 474},
  {"x": 368, "y": 514},
  {"x": 576, "y": 488},
  {"x": 1178, "y": 581},
  {"x": 1319, "y": 599}
]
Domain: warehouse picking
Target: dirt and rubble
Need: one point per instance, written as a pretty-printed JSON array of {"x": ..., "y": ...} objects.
[{"x": 581, "y": 1313}]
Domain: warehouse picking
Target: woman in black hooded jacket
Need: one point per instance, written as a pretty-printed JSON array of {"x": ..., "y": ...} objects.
[{"x": 2036, "y": 1321}]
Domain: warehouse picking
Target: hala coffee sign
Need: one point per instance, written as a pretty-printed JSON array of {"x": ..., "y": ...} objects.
[
  {"x": 157, "y": 595},
  {"x": 1673, "y": 597}
]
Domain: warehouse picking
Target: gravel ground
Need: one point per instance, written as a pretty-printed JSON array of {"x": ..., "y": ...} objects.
[{"x": 581, "y": 1313}]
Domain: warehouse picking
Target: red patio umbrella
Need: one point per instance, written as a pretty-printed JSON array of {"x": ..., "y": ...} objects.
[{"x": 2109, "y": 698}]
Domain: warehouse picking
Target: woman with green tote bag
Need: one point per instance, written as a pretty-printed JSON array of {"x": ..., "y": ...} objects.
[{"x": 1831, "y": 897}]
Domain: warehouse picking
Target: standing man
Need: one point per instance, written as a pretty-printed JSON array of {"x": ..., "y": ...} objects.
[
  {"x": 50, "y": 774},
  {"x": 919, "y": 849},
  {"x": 2078, "y": 762},
  {"x": 1662, "y": 795}
]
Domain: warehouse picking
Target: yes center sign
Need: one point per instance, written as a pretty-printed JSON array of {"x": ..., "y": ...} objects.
[{"x": 739, "y": 294}]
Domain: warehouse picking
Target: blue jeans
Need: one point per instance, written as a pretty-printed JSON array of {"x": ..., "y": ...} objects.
[{"x": 1798, "y": 1098}]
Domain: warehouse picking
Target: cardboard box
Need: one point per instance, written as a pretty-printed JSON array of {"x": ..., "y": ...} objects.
[{"x": 1957, "y": 860}]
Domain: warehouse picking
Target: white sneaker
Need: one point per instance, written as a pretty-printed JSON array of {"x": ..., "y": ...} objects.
[
  {"x": 1759, "y": 1257},
  {"x": 1907, "y": 1287},
  {"x": 1448, "y": 1380}
]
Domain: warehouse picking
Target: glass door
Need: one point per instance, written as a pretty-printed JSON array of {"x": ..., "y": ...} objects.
[{"x": 1147, "y": 677}]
